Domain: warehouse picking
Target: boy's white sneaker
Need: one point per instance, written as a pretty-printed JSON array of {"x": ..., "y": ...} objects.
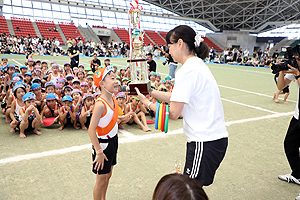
[
  {"x": 298, "y": 197},
  {"x": 289, "y": 178}
]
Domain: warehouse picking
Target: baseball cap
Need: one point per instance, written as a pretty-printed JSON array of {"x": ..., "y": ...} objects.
[
  {"x": 16, "y": 79},
  {"x": 67, "y": 63},
  {"x": 23, "y": 67},
  {"x": 75, "y": 80},
  {"x": 67, "y": 98},
  {"x": 134, "y": 97},
  {"x": 168, "y": 78},
  {"x": 121, "y": 95},
  {"x": 18, "y": 85},
  {"x": 58, "y": 85},
  {"x": 51, "y": 96},
  {"x": 44, "y": 61},
  {"x": 100, "y": 75},
  {"x": 76, "y": 90},
  {"x": 4, "y": 57},
  {"x": 30, "y": 60},
  {"x": 35, "y": 86},
  {"x": 49, "y": 84},
  {"x": 28, "y": 73},
  {"x": 28, "y": 96},
  {"x": 84, "y": 84},
  {"x": 87, "y": 96},
  {"x": 69, "y": 76},
  {"x": 67, "y": 86},
  {"x": 10, "y": 65},
  {"x": 87, "y": 69}
]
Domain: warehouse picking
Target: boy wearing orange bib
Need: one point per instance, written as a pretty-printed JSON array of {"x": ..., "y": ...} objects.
[{"x": 103, "y": 130}]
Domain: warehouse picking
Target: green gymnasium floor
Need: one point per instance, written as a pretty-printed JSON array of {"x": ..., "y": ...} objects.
[{"x": 57, "y": 164}]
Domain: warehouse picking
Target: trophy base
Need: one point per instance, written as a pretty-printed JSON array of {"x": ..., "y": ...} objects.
[{"x": 143, "y": 87}]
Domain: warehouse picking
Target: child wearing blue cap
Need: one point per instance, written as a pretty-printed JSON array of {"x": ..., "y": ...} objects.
[
  {"x": 30, "y": 115},
  {"x": 16, "y": 106},
  {"x": 37, "y": 90},
  {"x": 4, "y": 60},
  {"x": 67, "y": 115},
  {"x": 27, "y": 77},
  {"x": 23, "y": 69},
  {"x": 50, "y": 87},
  {"x": 51, "y": 108}
]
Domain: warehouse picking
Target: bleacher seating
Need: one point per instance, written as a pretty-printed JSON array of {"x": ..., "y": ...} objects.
[
  {"x": 44, "y": 26},
  {"x": 70, "y": 30},
  {"x": 155, "y": 37},
  {"x": 3, "y": 26},
  {"x": 123, "y": 34},
  {"x": 25, "y": 27},
  {"x": 147, "y": 41},
  {"x": 211, "y": 44},
  {"x": 163, "y": 34}
]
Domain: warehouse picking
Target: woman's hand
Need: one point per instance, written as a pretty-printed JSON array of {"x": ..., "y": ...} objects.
[
  {"x": 99, "y": 161},
  {"x": 292, "y": 70},
  {"x": 140, "y": 95}
]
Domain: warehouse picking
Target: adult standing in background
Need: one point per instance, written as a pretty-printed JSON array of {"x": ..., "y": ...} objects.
[
  {"x": 196, "y": 96},
  {"x": 172, "y": 64},
  {"x": 73, "y": 52},
  {"x": 151, "y": 63}
]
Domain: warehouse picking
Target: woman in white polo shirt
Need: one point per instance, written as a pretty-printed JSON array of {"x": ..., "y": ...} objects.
[{"x": 196, "y": 96}]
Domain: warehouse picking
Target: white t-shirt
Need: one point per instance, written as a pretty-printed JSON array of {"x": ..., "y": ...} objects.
[
  {"x": 291, "y": 77},
  {"x": 203, "y": 115}
]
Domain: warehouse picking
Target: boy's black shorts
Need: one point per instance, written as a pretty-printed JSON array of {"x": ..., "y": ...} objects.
[
  {"x": 29, "y": 128},
  {"x": 110, "y": 149},
  {"x": 203, "y": 159}
]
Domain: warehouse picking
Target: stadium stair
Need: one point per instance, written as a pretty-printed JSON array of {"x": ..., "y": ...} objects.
[
  {"x": 61, "y": 33},
  {"x": 211, "y": 44},
  {"x": 10, "y": 27},
  {"x": 25, "y": 26},
  {"x": 83, "y": 33},
  {"x": 155, "y": 37},
  {"x": 280, "y": 44},
  {"x": 163, "y": 34},
  {"x": 92, "y": 34},
  {"x": 37, "y": 30},
  {"x": 3, "y": 26},
  {"x": 148, "y": 40}
]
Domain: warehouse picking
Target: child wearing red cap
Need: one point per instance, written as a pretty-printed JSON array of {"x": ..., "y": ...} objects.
[{"x": 103, "y": 130}]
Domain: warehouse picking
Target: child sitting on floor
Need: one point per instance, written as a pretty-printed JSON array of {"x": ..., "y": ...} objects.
[
  {"x": 30, "y": 115},
  {"x": 122, "y": 119},
  {"x": 86, "y": 110},
  {"x": 51, "y": 109},
  {"x": 137, "y": 111},
  {"x": 16, "y": 106},
  {"x": 67, "y": 116}
]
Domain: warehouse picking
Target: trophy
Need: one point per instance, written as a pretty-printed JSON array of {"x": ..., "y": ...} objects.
[{"x": 137, "y": 55}]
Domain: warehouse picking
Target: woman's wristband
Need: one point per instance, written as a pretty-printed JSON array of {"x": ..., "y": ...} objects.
[
  {"x": 88, "y": 112},
  {"x": 149, "y": 105}
]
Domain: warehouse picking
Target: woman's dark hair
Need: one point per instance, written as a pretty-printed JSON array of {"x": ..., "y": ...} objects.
[
  {"x": 187, "y": 34},
  {"x": 179, "y": 187}
]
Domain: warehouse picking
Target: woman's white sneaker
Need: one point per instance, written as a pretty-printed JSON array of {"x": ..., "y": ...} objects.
[{"x": 289, "y": 178}]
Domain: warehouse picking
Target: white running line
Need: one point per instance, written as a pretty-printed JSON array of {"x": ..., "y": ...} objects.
[
  {"x": 242, "y": 70},
  {"x": 255, "y": 107},
  {"x": 259, "y": 94},
  {"x": 125, "y": 140},
  {"x": 259, "y": 118},
  {"x": 16, "y": 62}
]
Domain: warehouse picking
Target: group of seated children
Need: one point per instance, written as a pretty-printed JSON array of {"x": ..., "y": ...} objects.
[{"x": 38, "y": 90}]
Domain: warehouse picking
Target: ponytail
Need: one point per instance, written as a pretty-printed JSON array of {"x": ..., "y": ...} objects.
[{"x": 187, "y": 34}]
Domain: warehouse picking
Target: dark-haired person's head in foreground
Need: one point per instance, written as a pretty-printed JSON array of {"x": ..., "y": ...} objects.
[
  {"x": 178, "y": 187},
  {"x": 181, "y": 41}
]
